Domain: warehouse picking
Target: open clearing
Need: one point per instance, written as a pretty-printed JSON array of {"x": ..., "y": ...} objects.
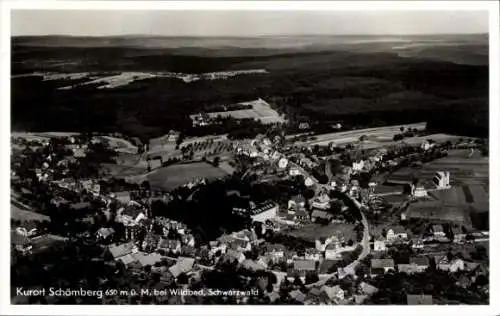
[
  {"x": 354, "y": 135},
  {"x": 173, "y": 176},
  {"x": 17, "y": 212},
  {"x": 463, "y": 170},
  {"x": 378, "y": 137},
  {"x": 311, "y": 232},
  {"x": 260, "y": 110}
]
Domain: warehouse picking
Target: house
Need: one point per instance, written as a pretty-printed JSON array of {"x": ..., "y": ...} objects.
[
  {"x": 121, "y": 250},
  {"x": 321, "y": 202},
  {"x": 321, "y": 216},
  {"x": 458, "y": 234},
  {"x": 105, "y": 233},
  {"x": 290, "y": 255},
  {"x": 122, "y": 197},
  {"x": 183, "y": 265},
  {"x": 20, "y": 242},
  {"x": 407, "y": 268},
  {"x": 301, "y": 215},
  {"x": 294, "y": 171},
  {"x": 379, "y": 245},
  {"x": 150, "y": 242},
  {"x": 188, "y": 251},
  {"x": 27, "y": 228},
  {"x": 417, "y": 244},
  {"x": 298, "y": 296},
  {"x": 147, "y": 259},
  {"x": 170, "y": 245},
  {"x": 273, "y": 296},
  {"x": 304, "y": 265},
  {"x": 418, "y": 299},
  {"x": 264, "y": 212},
  {"x": 275, "y": 251},
  {"x": 216, "y": 246},
  {"x": 297, "y": 202},
  {"x": 422, "y": 263},
  {"x": 381, "y": 266},
  {"x": 332, "y": 251},
  {"x": 313, "y": 254},
  {"x": 442, "y": 179},
  {"x": 334, "y": 293},
  {"x": 454, "y": 265},
  {"x": 438, "y": 231},
  {"x": 232, "y": 255},
  {"x": 359, "y": 299},
  {"x": 252, "y": 265},
  {"x": 396, "y": 232},
  {"x": 367, "y": 289}
]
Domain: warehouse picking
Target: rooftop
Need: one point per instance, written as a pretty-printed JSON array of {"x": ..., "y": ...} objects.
[
  {"x": 382, "y": 263},
  {"x": 419, "y": 299}
]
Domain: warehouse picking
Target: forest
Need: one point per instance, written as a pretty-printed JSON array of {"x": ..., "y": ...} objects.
[{"x": 358, "y": 89}]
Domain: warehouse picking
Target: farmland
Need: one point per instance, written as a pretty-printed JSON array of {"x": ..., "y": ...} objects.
[
  {"x": 463, "y": 170},
  {"x": 173, "y": 176},
  {"x": 260, "y": 110},
  {"x": 378, "y": 137},
  {"x": 381, "y": 133},
  {"x": 18, "y": 213}
]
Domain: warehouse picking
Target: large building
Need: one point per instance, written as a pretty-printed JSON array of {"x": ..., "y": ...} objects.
[
  {"x": 264, "y": 212},
  {"x": 442, "y": 179}
]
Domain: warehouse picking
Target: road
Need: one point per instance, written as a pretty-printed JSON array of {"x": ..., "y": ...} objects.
[{"x": 365, "y": 242}]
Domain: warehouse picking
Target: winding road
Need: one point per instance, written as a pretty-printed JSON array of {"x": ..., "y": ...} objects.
[{"x": 365, "y": 242}]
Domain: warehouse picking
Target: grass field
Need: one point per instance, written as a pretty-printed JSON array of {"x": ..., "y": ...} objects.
[
  {"x": 312, "y": 232},
  {"x": 463, "y": 170},
  {"x": 261, "y": 110},
  {"x": 174, "y": 176},
  {"x": 120, "y": 145},
  {"x": 18, "y": 213},
  {"x": 121, "y": 171},
  {"x": 382, "y": 134}
]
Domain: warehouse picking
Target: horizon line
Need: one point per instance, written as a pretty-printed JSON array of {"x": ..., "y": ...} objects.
[{"x": 245, "y": 36}]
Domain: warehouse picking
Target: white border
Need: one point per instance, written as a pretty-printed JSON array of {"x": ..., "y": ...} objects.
[{"x": 491, "y": 6}]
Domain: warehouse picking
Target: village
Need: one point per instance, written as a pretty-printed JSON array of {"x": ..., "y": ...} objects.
[{"x": 351, "y": 215}]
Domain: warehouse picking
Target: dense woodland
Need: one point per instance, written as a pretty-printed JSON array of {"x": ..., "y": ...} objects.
[{"x": 358, "y": 89}]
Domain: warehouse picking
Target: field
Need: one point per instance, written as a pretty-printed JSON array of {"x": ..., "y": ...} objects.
[
  {"x": 261, "y": 110},
  {"x": 173, "y": 176},
  {"x": 311, "y": 232},
  {"x": 18, "y": 213},
  {"x": 382, "y": 134},
  {"x": 121, "y": 171},
  {"x": 378, "y": 137},
  {"x": 463, "y": 170},
  {"x": 120, "y": 145}
]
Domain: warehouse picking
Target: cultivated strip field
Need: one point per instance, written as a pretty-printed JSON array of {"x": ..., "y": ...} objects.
[
  {"x": 384, "y": 133},
  {"x": 463, "y": 170},
  {"x": 261, "y": 111}
]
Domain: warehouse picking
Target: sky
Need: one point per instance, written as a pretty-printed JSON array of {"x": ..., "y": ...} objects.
[{"x": 244, "y": 23}]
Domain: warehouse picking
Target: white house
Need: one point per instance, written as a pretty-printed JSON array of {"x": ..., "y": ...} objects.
[
  {"x": 265, "y": 212},
  {"x": 396, "y": 232},
  {"x": 282, "y": 163},
  {"x": 332, "y": 252},
  {"x": 294, "y": 171},
  {"x": 379, "y": 245},
  {"x": 438, "y": 231},
  {"x": 442, "y": 179}
]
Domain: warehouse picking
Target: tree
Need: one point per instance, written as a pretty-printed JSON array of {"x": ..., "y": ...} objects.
[
  {"x": 216, "y": 161},
  {"x": 297, "y": 281}
]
